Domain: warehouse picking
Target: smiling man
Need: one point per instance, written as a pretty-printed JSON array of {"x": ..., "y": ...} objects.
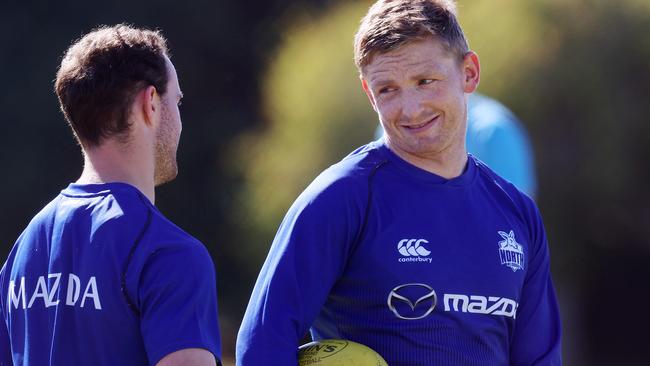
[{"x": 409, "y": 245}]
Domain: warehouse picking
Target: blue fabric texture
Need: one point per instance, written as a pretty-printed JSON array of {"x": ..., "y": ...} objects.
[
  {"x": 101, "y": 277},
  {"x": 424, "y": 270}
]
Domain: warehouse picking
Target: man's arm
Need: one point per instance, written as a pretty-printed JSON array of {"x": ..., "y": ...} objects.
[
  {"x": 188, "y": 357},
  {"x": 307, "y": 257},
  {"x": 537, "y": 333},
  {"x": 177, "y": 302},
  {"x": 5, "y": 344}
]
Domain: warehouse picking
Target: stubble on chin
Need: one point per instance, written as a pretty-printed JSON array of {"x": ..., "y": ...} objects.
[{"x": 166, "y": 166}]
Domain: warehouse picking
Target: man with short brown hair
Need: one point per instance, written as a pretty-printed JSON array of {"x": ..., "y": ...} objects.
[
  {"x": 100, "y": 276},
  {"x": 409, "y": 245}
]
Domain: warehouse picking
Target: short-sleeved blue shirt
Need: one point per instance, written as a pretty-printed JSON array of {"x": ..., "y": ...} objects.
[{"x": 101, "y": 277}]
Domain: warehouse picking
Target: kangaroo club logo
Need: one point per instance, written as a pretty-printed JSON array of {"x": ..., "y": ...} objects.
[
  {"x": 511, "y": 252},
  {"x": 412, "y": 250}
]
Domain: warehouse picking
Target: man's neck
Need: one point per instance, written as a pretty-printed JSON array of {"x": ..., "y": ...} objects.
[
  {"x": 107, "y": 164},
  {"x": 447, "y": 164}
]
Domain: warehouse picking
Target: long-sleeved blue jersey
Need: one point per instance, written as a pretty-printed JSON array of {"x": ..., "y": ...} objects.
[{"x": 424, "y": 270}]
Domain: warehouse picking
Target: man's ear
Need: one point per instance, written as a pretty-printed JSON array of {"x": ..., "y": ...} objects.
[
  {"x": 366, "y": 89},
  {"x": 471, "y": 72},
  {"x": 150, "y": 100}
]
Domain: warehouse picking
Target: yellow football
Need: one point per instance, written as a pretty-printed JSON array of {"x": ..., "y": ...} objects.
[{"x": 338, "y": 352}]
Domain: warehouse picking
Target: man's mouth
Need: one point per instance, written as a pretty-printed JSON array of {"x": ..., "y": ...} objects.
[{"x": 422, "y": 125}]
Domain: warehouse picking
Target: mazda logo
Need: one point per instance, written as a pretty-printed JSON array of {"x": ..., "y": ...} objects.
[{"x": 399, "y": 295}]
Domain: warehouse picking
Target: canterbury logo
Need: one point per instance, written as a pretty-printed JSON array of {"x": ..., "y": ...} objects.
[{"x": 413, "y": 248}]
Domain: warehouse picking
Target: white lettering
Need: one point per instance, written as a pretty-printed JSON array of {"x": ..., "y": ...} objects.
[
  {"x": 13, "y": 297},
  {"x": 41, "y": 291},
  {"x": 92, "y": 286},
  {"x": 479, "y": 305},
  {"x": 414, "y": 259},
  {"x": 53, "y": 291},
  {"x": 456, "y": 298},
  {"x": 497, "y": 303},
  {"x": 504, "y": 309},
  {"x": 50, "y": 289},
  {"x": 74, "y": 287}
]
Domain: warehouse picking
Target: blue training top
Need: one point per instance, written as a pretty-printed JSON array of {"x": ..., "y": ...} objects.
[
  {"x": 424, "y": 270},
  {"x": 101, "y": 277}
]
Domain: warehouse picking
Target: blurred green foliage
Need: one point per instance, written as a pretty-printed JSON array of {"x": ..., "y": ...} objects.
[{"x": 315, "y": 111}]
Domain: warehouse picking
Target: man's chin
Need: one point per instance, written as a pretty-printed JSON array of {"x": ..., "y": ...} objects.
[
  {"x": 421, "y": 146},
  {"x": 166, "y": 178}
]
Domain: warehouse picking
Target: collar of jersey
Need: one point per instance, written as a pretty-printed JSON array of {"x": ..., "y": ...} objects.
[
  {"x": 99, "y": 189},
  {"x": 419, "y": 174}
]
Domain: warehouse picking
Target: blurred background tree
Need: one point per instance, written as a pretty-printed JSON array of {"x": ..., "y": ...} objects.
[{"x": 272, "y": 98}]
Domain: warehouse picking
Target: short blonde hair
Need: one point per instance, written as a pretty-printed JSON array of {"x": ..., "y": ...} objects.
[{"x": 392, "y": 23}]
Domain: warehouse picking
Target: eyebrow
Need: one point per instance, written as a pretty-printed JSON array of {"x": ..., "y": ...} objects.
[
  {"x": 381, "y": 83},
  {"x": 378, "y": 80}
]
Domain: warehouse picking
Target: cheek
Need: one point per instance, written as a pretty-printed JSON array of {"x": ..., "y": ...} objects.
[
  {"x": 447, "y": 99},
  {"x": 386, "y": 110},
  {"x": 176, "y": 120},
  {"x": 180, "y": 124}
]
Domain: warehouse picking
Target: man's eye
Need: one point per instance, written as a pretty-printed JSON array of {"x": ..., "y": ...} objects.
[
  {"x": 425, "y": 81},
  {"x": 386, "y": 90}
]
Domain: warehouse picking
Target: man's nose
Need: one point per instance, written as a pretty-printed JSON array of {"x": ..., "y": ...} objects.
[{"x": 412, "y": 102}]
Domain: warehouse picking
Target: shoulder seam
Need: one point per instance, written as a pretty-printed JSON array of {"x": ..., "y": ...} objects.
[
  {"x": 514, "y": 194},
  {"x": 362, "y": 229},
  {"x": 137, "y": 241}
]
